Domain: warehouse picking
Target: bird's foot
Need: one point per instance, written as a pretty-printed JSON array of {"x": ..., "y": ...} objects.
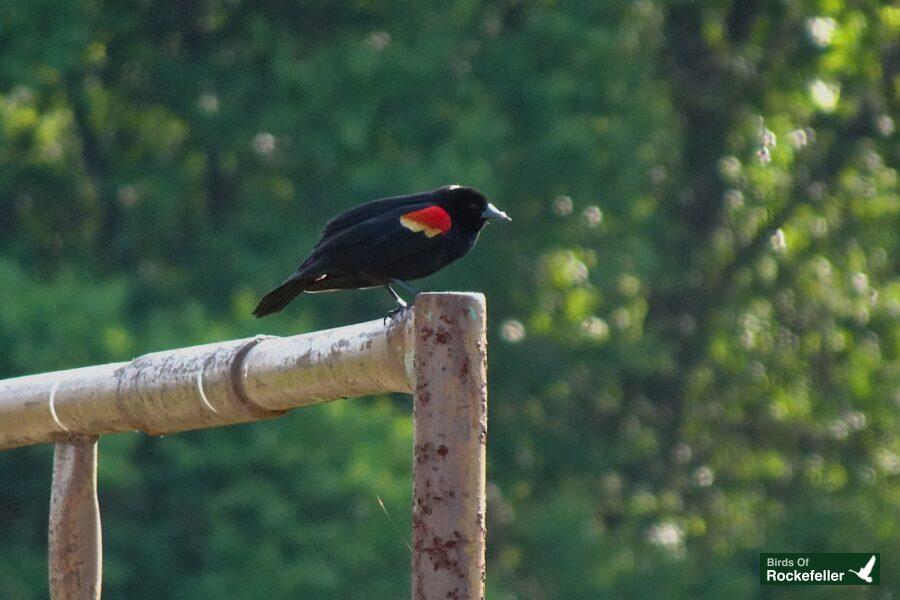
[
  {"x": 403, "y": 304},
  {"x": 396, "y": 312}
]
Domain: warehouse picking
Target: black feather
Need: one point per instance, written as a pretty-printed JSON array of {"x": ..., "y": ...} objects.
[
  {"x": 280, "y": 297},
  {"x": 354, "y": 216}
]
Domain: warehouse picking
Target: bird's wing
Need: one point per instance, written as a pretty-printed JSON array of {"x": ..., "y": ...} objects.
[
  {"x": 381, "y": 240},
  {"x": 366, "y": 211},
  {"x": 376, "y": 225},
  {"x": 868, "y": 568}
]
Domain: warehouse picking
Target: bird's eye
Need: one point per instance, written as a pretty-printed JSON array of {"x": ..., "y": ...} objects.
[{"x": 473, "y": 206}]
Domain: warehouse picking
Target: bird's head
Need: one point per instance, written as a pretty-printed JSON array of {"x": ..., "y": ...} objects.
[{"x": 468, "y": 208}]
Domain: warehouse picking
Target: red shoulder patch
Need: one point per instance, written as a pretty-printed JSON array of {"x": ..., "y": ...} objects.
[{"x": 432, "y": 221}]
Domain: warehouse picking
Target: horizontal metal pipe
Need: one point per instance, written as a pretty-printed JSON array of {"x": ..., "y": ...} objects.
[{"x": 210, "y": 385}]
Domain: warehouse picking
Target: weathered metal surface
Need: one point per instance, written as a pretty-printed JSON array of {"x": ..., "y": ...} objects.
[
  {"x": 358, "y": 360},
  {"x": 210, "y": 385},
  {"x": 75, "y": 541},
  {"x": 437, "y": 350},
  {"x": 450, "y": 408}
]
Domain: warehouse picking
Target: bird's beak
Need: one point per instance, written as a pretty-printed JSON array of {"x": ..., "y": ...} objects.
[{"x": 492, "y": 212}]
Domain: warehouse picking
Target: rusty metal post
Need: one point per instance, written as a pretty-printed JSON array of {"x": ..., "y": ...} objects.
[
  {"x": 450, "y": 416},
  {"x": 75, "y": 544}
]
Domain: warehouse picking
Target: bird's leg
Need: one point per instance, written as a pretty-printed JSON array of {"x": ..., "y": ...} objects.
[
  {"x": 395, "y": 295},
  {"x": 407, "y": 287},
  {"x": 402, "y": 303}
]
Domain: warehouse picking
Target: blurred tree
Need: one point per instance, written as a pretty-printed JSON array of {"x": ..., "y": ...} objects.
[{"x": 695, "y": 315}]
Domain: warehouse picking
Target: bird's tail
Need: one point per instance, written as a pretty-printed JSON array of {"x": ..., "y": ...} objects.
[{"x": 281, "y": 296}]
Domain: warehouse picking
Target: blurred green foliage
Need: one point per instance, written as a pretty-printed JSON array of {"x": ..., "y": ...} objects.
[{"x": 694, "y": 316}]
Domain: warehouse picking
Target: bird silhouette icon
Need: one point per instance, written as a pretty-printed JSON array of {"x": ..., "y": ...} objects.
[{"x": 866, "y": 572}]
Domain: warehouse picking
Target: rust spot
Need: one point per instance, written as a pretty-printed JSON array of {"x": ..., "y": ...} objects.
[
  {"x": 447, "y": 319},
  {"x": 443, "y": 336},
  {"x": 424, "y": 396},
  {"x": 439, "y": 552},
  {"x": 418, "y": 523},
  {"x": 421, "y": 453},
  {"x": 418, "y": 587},
  {"x": 423, "y": 508},
  {"x": 427, "y": 332},
  {"x": 427, "y": 453},
  {"x": 464, "y": 369}
]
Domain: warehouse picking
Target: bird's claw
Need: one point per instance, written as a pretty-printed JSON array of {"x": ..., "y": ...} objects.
[{"x": 394, "y": 313}]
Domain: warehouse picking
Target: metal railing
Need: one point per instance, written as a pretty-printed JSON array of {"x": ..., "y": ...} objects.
[{"x": 437, "y": 351}]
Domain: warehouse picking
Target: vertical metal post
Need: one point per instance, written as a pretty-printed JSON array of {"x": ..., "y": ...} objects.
[
  {"x": 450, "y": 420},
  {"x": 75, "y": 542}
]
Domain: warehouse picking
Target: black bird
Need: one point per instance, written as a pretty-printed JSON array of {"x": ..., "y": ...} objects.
[{"x": 389, "y": 241}]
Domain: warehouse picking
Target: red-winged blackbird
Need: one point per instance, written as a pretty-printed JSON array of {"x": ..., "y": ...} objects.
[{"x": 389, "y": 241}]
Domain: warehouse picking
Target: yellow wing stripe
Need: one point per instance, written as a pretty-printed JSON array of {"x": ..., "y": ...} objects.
[{"x": 418, "y": 226}]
